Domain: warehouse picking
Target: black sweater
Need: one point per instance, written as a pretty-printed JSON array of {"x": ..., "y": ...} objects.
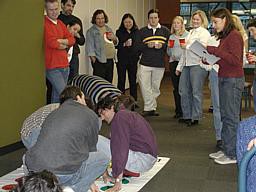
[{"x": 150, "y": 56}]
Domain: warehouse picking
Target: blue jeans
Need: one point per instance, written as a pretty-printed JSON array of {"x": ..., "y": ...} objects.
[
  {"x": 137, "y": 162},
  {"x": 191, "y": 91},
  {"x": 92, "y": 168},
  {"x": 230, "y": 102},
  {"x": 58, "y": 78},
  {"x": 30, "y": 140},
  {"x": 214, "y": 84},
  {"x": 254, "y": 94}
]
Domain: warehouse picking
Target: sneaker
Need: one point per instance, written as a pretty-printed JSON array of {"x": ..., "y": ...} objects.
[
  {"x": 216, "y": 155},
  {"x": 192, "y": 123},
  {"x": 224, "y": 160}
]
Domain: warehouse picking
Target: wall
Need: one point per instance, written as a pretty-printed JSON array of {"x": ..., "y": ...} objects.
[
  {"x": 115, "y": 9},
  {"x": 22, "y": 66}
]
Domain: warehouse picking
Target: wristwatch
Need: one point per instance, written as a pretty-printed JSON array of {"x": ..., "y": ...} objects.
[{"x": 118, "y": 180}]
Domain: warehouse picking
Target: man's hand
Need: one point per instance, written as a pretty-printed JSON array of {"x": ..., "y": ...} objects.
[
  {"x": 107, "y": 178},
  {"x": 117, "y": 187},
  {"x": 94, "y": 188},
  {"x": 251, "y": 144},
  {"x": 151, "y": 45},
  {"x": 63, "y": 41},
  {"x": 77, "y": 35},
  {"x": 158, "y": 45},
  {"x": 177, "y": 72}
]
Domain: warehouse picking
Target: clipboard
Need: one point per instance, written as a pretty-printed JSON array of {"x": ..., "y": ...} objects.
[{"x": 198, "y": 48}]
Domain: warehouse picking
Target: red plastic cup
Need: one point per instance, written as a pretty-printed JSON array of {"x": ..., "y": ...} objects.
[
  {"x": 171, "y": 43},
  {"x": 182, "y": 41},
  {"x": 249, "y": 57},
  {"x": 108, "y": 33},
  {"x": 9, "y": 187}
]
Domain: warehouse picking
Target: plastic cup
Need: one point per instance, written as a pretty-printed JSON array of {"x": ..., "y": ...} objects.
[
  {"x": 182, "y": 41},
  {"x": 171, "y": 43}
]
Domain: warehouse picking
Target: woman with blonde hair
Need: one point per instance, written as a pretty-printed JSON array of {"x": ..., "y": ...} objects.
[
  {"x": 174, "y": 50},
  {"x": 192, "y": 75}
]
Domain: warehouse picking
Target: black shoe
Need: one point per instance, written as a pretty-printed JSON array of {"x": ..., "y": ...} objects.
[
  {"x": 192, "y": 123},
  {"x": 149, "y": 113},
  {"x": 177, "y": 116},
  {"x": 210, "y": 110},
  {"x": 219, "y": 145},
  {"x": 181, "y": 120}
]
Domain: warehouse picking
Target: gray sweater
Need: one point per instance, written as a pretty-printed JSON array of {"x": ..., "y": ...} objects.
[{"x": 68, "y": 135}]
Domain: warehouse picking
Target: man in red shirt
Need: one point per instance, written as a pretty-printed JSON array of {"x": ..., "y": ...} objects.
[{"x": 56, "y": 40}]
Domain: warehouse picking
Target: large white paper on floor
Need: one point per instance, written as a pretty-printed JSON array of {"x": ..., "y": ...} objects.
[{"x": 134, "y": 185}]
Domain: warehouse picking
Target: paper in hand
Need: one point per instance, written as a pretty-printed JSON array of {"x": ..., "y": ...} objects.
[{"x": 200, "y": 50}]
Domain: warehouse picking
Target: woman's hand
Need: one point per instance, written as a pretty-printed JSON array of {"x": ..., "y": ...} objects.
[{"x": 251, "y": 144}]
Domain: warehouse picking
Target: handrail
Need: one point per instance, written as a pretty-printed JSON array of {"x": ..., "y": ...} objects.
[{"x": 242, "y": 177}]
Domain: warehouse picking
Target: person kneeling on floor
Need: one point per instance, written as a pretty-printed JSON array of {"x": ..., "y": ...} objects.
[
  {"x": 132, "y": 146},
  {"x": 66, "y": 145}
]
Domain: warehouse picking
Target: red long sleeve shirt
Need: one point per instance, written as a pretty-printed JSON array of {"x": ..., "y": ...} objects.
[
  {"x": 230, "y": 52},
  {"x": 55, "y": 57}
]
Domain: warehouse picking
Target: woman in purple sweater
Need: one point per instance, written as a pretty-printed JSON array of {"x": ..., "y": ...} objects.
[{"x": 231, "y": 81}]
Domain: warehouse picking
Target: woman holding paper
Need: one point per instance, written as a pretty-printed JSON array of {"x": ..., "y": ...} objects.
[
  {"x": 174, "y": 50},
  {"x": 231, "y": 81},
  {"x": 192, "y": 75}
]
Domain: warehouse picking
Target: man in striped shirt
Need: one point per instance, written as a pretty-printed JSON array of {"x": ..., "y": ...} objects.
[{"x": 95, "y": 87}]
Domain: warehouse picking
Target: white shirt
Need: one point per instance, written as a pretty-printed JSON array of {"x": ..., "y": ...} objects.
[
  {"x": 154, "y": 28},
  {"x": 189, "y": 58}
]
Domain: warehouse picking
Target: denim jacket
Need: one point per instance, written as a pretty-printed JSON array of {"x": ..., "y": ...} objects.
[{"x": 95, "y": 44}]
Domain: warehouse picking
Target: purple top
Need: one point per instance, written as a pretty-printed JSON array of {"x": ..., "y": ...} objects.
[{"x": 131, "y": 131}]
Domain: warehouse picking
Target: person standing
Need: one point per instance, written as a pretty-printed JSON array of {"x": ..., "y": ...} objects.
[
  {"x": 56, "y": 40},
  {"x": 66, "y": 145},
  {"x": 252, "y": 58},
  {"x": 174, "y": 50},
  {"x": 128, "y": 53},
  {"x": 153, "y": 48},
  {"x": 231, "y": 81},
  {"x": 100, "y": 46},
  {"x": 66, "y": 17},
  {"x": 192, "y": 76}
]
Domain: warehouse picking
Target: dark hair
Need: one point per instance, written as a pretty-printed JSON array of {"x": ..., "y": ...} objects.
[
  {"x": 252, "y": 23},
  {"x": 153, "y": 11},
  {"x": 128, "y": 15},
  {"x": 97, "y": 12},
  {"x": 106, "y": 103},
  {"x": 229, "y": 25},
  {"x": 70, "y": 92},
  {"x": 65, "y": 1},
  {"x": 44, "y": 181},
  {"x": 127, "y": 101},
  {"x": 73, "y": 22},
  {"x": 50, "y": 1}
]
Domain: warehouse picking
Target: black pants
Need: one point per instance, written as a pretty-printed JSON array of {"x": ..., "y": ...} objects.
[
  {"x": 175, "y": 83},
  {"x": 74, "y": 67},
  {"x": 131, "y": 67},
  {"x": 104, "y": 70}
]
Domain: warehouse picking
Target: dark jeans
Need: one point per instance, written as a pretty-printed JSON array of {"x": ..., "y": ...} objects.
[
  {"x": 175, "y": 82},
  {"x": 73, "y": 67},
  {"x": 131, "y": 67},
  {"x": 230, "y": 90},
  {"x": 104, "y": 70}
]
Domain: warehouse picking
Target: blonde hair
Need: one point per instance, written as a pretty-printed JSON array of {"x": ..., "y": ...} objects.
[
  {"x": 239, "y": 27},
  {"x": 182, "y": 27},
  {"x": 203, "y": 17}
]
